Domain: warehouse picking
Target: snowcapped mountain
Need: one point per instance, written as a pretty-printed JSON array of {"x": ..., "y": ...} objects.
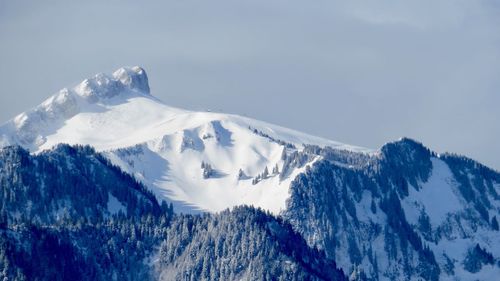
[
  {"x": 402, "y": 212},
  {"x": 198, "y": 160}
]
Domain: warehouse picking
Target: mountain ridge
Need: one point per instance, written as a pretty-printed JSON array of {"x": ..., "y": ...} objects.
[
  {"x": 403, "y": 212},
  {"x": 69, "y": 214},
  {"x": 117, "y": 114}
]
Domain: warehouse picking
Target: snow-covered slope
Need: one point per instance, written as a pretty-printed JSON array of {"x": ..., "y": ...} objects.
[
  {"x": 166, "y": 147},
  {"x": 402, "y": 212}
]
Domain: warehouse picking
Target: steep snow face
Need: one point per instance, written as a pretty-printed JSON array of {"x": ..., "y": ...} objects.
[
  {"x": 197, "y": 160},
  {"x": 438, "y": 197}
]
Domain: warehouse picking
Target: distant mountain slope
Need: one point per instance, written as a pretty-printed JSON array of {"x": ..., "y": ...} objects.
[
  {"x": 403, "y": 214},
  {"x": 166, "y": 147}
]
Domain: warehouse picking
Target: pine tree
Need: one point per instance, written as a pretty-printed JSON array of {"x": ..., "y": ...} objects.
[
  {"x": 373, "y": 207},
  {"x": 265, "y": 174},
  {"x": 276, "y": 170},
  {"x": 494, "y": 223},
  {"x": 241, "y": 174},
  {"x": 283, "y": 154}
]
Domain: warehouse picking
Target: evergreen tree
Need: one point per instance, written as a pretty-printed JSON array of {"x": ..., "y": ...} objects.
[
  {"x": 265, "y": 174},
  {"x": 494, "y": 223},
  {"x": 276, "y": 170}
]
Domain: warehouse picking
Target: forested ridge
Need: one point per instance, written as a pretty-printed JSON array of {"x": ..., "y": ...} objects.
[{"x": 57, "y": 224}]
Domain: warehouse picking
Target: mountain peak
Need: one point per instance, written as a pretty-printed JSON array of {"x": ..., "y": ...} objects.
[
  {"x": 30, "y": 128},
  {"x": 105, "y": 86},
  {"x": 134, "y": 77}
]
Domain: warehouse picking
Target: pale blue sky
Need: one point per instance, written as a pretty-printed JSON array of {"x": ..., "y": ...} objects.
[{"x": 360, "y": 72}]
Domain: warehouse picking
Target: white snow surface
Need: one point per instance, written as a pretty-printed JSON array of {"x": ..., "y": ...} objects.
[
  {"x": 438, "y": 197},
  {"x": 165, "y": 146}
]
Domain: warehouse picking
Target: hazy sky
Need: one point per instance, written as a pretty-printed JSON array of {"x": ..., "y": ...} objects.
[{"x": 359, "y": 72}]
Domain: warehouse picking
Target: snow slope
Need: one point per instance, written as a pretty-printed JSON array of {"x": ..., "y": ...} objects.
[
  {"x": 205, "y": 161},
  {"x": 165, "y": 147},
  {"x": 438, "y": 197}
]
